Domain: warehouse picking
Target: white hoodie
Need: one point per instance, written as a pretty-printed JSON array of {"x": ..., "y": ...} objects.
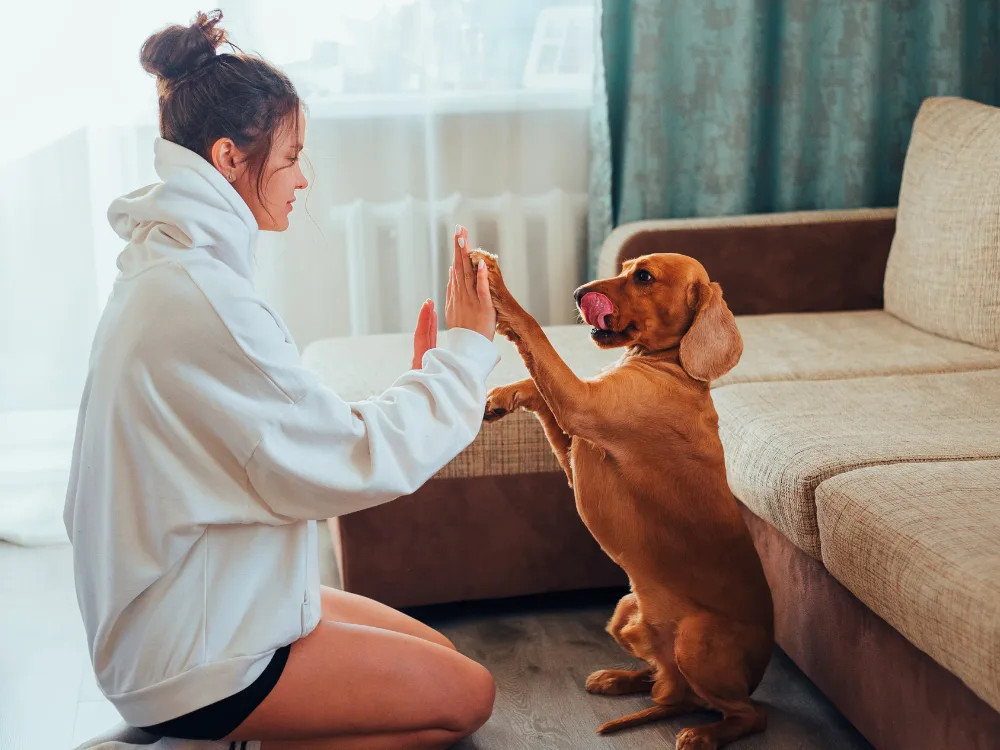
[{"x": 204, "y": 450}]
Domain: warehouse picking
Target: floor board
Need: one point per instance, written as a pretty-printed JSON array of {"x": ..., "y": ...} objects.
[{"x": 541, "y": 651}]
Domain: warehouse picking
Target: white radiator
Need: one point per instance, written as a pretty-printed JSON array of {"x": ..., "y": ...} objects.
[{"x": 398, "y": 253}]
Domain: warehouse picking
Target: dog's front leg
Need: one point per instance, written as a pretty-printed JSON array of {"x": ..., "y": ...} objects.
[
  {"x": 577, "y": 405},
  {"x": 524, "y": 394}
]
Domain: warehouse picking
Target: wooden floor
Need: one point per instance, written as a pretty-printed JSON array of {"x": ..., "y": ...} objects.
[{"x": 539, "y": 651}]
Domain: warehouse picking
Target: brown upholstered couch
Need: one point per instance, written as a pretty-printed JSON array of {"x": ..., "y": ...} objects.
[{"x": 862, "y": 434}]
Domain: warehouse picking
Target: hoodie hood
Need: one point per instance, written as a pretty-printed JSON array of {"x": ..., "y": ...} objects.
[{"x": 193, "y": 211}]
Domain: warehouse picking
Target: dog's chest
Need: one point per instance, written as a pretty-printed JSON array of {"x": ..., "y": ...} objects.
[{"x": 605, "y": 508}]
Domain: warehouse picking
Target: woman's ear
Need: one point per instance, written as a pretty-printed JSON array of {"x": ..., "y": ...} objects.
[
  {"x": 712, "y": 345},
  {"x": 226, "y": 157}
]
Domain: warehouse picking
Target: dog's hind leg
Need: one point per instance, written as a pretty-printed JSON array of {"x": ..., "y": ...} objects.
[
  {"x": 672, "y": 698},
  {"x": 712, "y": 654},
  {"x": 654, "y": 645},
  {"x": 622, "y": 681},
  {"x": 625, "y": 616}
]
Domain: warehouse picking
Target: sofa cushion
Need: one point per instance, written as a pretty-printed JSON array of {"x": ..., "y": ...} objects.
[
  {"x": 943, "y": 272},
  {"x": 918, "y": 543},
  {"x": 783, "y": 439},
  {"x": 797, "y": 346},
  {"x": 776, "y": 347},
  {"x": 823, "y": 346}
]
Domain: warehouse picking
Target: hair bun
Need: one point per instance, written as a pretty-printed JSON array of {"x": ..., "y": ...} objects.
[{"x": 178, "y": 50}]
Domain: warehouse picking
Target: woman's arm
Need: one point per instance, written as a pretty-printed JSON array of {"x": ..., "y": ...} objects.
[{"x": 326, "y": 457}]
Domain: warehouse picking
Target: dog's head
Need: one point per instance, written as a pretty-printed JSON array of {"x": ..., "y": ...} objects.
[{"x": 661, "y": 302}]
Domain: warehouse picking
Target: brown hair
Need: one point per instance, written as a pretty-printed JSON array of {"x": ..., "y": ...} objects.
[{"x": 206, "y": 96}]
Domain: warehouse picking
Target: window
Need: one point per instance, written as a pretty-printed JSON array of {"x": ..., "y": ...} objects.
[{"x": 397, "y": 56}]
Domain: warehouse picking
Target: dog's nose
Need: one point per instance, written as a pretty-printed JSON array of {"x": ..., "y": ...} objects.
[{"x": 578, "y": 294}]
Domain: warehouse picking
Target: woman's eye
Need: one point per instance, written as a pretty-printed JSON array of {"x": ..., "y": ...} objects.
[{"x": 643, "y": 276}]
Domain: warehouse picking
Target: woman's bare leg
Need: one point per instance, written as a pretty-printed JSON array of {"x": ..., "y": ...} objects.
[
  {"x": 355, "y": 686},
  {"x": 342, "y": 606}
]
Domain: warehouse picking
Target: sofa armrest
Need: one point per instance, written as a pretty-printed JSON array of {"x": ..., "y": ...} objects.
[{"x": 808, "y": 261}]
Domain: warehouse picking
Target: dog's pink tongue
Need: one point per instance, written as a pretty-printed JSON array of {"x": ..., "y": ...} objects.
[{"x": 596, "y": 309}]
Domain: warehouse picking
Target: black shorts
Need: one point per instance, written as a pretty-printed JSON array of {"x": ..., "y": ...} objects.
[{"x": 219, "y": 719}]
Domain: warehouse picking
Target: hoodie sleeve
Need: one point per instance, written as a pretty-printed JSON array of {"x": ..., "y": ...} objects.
[{"x": 326, "y": 457}]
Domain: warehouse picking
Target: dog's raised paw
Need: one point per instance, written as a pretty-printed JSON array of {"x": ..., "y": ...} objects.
[
  {"x": 492, "y": 415},
  {"x": 489, "y": 259},
  {"x": 500, "y": 402},
  {"x": 498, "y": 289}
]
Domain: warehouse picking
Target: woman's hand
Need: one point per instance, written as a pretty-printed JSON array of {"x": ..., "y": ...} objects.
[
  {"x": 425, "y": 337},
  {"x": 468, "y": 302}
]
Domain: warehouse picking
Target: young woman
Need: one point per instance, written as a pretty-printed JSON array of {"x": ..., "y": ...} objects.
[{"x": 205, "y": 451}]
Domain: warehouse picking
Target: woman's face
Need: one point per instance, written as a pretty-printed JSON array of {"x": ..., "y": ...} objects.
[{"x": 282, "y": 175}]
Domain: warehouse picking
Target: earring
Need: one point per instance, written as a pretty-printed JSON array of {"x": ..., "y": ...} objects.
[{"x": 232, "y": 176}]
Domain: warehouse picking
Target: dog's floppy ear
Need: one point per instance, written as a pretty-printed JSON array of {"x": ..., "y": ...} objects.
[{"x": 712, "y": 345}]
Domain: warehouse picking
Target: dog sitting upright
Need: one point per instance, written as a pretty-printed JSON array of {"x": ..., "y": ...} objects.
[{"x": 640, "y": 446}]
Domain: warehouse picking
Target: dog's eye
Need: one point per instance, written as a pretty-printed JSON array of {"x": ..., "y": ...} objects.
[{"x": 643, "y": 276}]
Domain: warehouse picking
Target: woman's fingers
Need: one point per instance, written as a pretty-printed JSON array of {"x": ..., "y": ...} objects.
[
  {"x": 455, "y": 246},
  {"x": 459, "y": 242},
  {"x": 449, "y": 304},
  {"x": 483, "y": 284},
  {"x": 434, "y": 328},
  {"x": 462, "y": 257},
  {"x": 430, "y": 327},
  {"x": 487, "y": 309},
  {"x": 422, "y": 336},
  {"x": 424, "y": 318}
]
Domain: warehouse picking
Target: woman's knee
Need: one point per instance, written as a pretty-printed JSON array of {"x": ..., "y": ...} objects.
[{"x": 479, "y": 693}]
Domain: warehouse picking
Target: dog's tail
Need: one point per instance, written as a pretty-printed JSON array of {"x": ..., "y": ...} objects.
[{"x": 640, "y": 717}]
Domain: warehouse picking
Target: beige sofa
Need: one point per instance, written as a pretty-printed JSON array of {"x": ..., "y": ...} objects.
[{"x": 864, "y": 444}]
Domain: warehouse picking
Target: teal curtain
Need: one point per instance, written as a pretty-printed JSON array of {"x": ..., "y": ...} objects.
[{"x": 721, "y": 107}]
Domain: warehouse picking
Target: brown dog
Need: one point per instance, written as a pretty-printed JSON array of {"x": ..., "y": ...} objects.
[{"x": 640, "y": 445}]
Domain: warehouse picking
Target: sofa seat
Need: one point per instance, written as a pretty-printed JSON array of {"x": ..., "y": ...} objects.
[
  {"x": 918, "y": 544},
  {"x": 782, "y": 439},
  {"x": 827, "y": 346},
  {"x": 776, "y": 347}
]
